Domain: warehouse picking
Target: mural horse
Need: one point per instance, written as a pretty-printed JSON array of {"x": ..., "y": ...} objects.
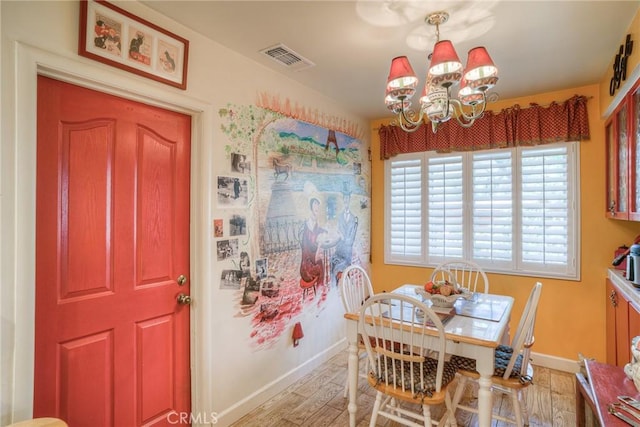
[{"x": 281, "y": 169}]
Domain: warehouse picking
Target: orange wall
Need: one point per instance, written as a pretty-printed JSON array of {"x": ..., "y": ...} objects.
[{"x": 571, "y": 316}]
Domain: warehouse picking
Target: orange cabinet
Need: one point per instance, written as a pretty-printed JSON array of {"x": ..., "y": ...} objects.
[
  {"x": 622, "y": 132},
  {"x": 617, "y": 326},
  {"x": 623, "y": 323}
]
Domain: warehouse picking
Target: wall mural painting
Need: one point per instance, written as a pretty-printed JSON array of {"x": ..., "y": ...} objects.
[{"x": 307, "y": 221}]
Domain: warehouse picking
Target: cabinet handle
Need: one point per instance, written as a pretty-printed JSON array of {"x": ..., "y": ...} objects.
[
  {"x": 613, "y": 299},
  {"x": 612, "y": 207}
]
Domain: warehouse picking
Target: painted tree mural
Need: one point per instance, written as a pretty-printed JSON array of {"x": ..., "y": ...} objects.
[{"x": 308, "y": 215}]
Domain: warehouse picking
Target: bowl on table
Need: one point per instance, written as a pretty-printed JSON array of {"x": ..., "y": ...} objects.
[{"x": 439, "y": 300}]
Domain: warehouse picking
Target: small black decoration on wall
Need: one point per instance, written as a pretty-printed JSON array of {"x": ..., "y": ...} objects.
[{"x": 620, "y": 65}]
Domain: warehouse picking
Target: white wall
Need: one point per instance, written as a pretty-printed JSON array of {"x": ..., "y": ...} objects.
[{"x": 230, "y": 376}]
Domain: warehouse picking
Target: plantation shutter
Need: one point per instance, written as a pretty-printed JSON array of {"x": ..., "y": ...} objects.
[
  {"x": 445, "y": 208},
  {"x": 405, "y": 208},
  {"x": 546, "y": 208},
  {"x": 492, "y": 207},
  {"x": 509, "y": 210}
]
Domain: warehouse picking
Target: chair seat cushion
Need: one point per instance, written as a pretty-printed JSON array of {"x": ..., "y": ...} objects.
[
  {"x": 391, "y": 372},
  {"x": 503, "y": 355}
]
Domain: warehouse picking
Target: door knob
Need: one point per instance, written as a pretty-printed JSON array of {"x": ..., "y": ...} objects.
[
  {"x": 184, "y": 299},
  {"x": 182, "y": 279}
]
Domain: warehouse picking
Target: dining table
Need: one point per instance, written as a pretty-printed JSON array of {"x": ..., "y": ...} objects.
[{"x": 473, "y": 328}]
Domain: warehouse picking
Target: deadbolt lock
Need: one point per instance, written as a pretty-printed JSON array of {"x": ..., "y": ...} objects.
[{"x": 182, "y": 279}]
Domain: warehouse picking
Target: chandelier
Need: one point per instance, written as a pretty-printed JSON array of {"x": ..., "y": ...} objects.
[{"x": 445, "y": 71}]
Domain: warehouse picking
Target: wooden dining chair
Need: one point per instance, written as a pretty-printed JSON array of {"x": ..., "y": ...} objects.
[
  {"x": 399, "y": 332},
  {"x": 355, "y": 288},
  {"x": 513, "y": 372},
  {"x": 467, "y": 274}
]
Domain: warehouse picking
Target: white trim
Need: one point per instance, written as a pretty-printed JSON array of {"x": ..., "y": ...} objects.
[
  {"x": 29, "y": 62},
  {"x": 554, "y": 362}
]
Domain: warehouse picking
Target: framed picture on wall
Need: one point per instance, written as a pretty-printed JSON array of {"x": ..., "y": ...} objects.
[{"x": 118, "y": 38}]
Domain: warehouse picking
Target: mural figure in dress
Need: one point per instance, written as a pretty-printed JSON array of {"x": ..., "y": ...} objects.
[{"x": 312, "y": 261}]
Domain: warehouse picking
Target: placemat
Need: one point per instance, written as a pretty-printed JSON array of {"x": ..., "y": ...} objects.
[
  {"x": 444, "y": 317},
  {"x": 487, "y": 310}
]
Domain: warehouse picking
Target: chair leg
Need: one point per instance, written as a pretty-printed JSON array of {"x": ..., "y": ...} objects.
[
  {"x": 451, "y": 413},
  {"x": 376, "y": 408},
  {"x": 457, "y": 395},
  {"x": 346, "y": 388},
  {"x": 426, "y": 412},
  {"x": 523, "y": 405},
  {"x": 515, "y": 402}
]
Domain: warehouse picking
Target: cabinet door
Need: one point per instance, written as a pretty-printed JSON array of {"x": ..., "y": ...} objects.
[
  {"x": 611, "y": 323},
  {"x": 623, "y": 350},
  {"x": 634, "y": 324},
  {"x": 618, "y": 163},
  {"x": 634, "y": 154},
  {"x": 618, "y": 326}
]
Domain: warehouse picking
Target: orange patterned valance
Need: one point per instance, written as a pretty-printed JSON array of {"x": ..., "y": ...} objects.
[{"x": 514, "y": 126}]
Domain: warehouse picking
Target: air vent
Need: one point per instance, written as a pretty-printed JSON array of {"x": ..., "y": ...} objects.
[{"x": 287, "y": 57}]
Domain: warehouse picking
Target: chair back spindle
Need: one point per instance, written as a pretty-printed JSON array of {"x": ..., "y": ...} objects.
[
  {"x": 467, "y": 274},
  {"x": 399, "y": 333},
  {"x": 523, "y": 339},
  {"x": 355, "y": 288}
]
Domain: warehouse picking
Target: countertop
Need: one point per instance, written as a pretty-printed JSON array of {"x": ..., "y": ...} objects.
[{"x": 631, "y": 292}]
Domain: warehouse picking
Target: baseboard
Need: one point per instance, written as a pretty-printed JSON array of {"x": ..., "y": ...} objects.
[
  {"x": 553, "y": 362},
  {"x": 252, "y": 401}
]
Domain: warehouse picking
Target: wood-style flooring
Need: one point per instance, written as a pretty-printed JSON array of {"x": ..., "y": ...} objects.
[{"x": 317, "y": 400}]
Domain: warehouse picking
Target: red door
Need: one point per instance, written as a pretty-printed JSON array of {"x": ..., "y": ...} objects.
[{"x": 112, "y": 231}]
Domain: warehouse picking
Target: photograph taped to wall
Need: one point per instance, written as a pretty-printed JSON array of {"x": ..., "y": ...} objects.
[
  {"x": 239, "y": 163},
  {"x": 115, "y": 37},
  {"x": 250, "y": 293},
  {"x": 227, "y": 249},
  {"x": 261, "y": 268},
  {"x": 230, "y": 279},
  {"x": 218, "y": 230},
  {"x": 232, "y": 192},
  {"x": 237, "y": 225}
]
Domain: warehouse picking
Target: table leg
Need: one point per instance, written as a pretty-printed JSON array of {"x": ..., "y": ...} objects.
[
  {"x": 484, "y": 402},
  {"x": 485, "y": 398},
  {"x": 353, "y": 382}
]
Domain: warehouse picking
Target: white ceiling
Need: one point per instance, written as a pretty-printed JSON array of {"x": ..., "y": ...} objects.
[{"x": 538, "y": 46}]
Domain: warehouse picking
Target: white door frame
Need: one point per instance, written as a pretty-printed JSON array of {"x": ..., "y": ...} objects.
[{"x": 19, "y": 176}]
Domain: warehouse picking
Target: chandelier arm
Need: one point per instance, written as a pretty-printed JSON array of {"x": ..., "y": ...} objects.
[
  {"x": 406, "y": 122},
  {"x": 463, "y": 119},
  {"x": 408, "y": 114},
  {"x": 474, "y": 114},
  {"x": 465, "y": 124},
  {"x": 408, "y": 129}
]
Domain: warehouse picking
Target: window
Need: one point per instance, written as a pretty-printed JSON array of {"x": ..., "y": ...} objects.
[{"x": 509, "y": 210}]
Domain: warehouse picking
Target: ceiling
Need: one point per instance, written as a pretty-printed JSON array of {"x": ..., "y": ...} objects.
[{"x": 538, "y": 46}]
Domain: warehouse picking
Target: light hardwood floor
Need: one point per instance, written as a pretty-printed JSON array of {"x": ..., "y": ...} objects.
[{"x": 317, "y": 400}]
